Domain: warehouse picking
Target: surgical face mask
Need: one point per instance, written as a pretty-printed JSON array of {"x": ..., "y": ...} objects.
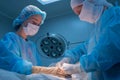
[
  {"x": 90, "y": 12},
  {"x": 31, "y": 29}
]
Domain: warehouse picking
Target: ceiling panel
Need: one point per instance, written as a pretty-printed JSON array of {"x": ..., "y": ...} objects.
[{"x": 11, "y": 8}]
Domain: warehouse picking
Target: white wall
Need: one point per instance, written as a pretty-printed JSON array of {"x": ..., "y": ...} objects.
[{"x": 68, "y": 26}]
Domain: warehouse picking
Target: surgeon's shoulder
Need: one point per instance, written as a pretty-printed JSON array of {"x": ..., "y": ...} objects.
[
  {"x": 116, "y": 16},
  {"x": 112, "y": 17},
  {"x": 117, "y": 11},
  {"x": 10, "y": 35},
  {"x": 114, "y": 10}
]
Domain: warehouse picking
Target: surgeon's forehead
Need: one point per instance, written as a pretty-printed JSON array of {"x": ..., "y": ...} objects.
[{"x": 36, "y": 17}]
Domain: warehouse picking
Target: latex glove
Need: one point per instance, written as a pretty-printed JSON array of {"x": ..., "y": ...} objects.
[
  {"x": 76, "y": 77},
  {"x": 49, "y": 70},
  {"x": 52, "y": 65},
  {"x": 80, "y": 76},
  {"x": 71, "y": 68},
  {"x": 64, "y": 60}
]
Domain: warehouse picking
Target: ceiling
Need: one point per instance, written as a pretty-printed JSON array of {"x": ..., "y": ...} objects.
[{"x": 11, "y": 8}]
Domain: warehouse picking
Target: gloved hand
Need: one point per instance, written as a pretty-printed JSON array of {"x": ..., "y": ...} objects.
[
  {"x": 49, "y": 70},
  {"x": 52, "y": 65},
  {"x": 64, "y": 60},
  {"x": 71, "y": 68},
  {"x": 80, "y": 76}
]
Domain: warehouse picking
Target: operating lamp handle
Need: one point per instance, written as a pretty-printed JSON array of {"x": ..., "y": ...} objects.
[
  {"x": 76, "y": 43},
  {"x": 69, "y": 44}
]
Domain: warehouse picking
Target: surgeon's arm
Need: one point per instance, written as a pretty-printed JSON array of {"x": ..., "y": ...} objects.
[
  {"x": 11, "y": 62},
  {"x": 10, "y": 41},
  {"x": 75, "y": 54},
  {"x": 49, "y": 70},
  {"x": 105, "y": 54}
]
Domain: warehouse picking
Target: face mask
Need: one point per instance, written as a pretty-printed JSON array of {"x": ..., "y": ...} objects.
[
  {"x": 31, "y": 29},
  {"x": 90, "y": 12}
]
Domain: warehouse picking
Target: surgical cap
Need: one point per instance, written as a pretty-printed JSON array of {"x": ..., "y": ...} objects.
[
  {"x": 27, "y": 12},
  {"x": 100, "y": 3},
  {"x": 75, "y": 3}
]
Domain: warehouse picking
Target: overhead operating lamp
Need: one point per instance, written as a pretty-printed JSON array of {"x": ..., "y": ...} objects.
[{"x": 44, "y": 2}]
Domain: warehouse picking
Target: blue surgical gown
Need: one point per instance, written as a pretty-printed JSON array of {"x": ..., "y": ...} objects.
[
  {"x": 12, "y": 62},
  {"x": 21, "y": 48},
  {"x": 100, "y": 55}
]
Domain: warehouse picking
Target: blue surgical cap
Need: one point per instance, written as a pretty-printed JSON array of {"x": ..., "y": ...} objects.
[{"x": 27, "y": 12}]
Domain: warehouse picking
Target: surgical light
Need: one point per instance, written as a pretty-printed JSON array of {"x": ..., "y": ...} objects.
[{"x": 44, "y": 2}]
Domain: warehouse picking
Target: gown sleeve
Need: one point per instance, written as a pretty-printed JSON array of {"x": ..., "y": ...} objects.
[{"x": 9, "y": 58}]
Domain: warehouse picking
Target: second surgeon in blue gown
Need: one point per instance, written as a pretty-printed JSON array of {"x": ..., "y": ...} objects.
[{"x": 100, "y": 55}]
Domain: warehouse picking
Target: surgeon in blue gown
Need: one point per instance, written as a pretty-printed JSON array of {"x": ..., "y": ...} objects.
[
  {"x": 100, "y": 55},
  {"x": 17, "y": 44}
]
